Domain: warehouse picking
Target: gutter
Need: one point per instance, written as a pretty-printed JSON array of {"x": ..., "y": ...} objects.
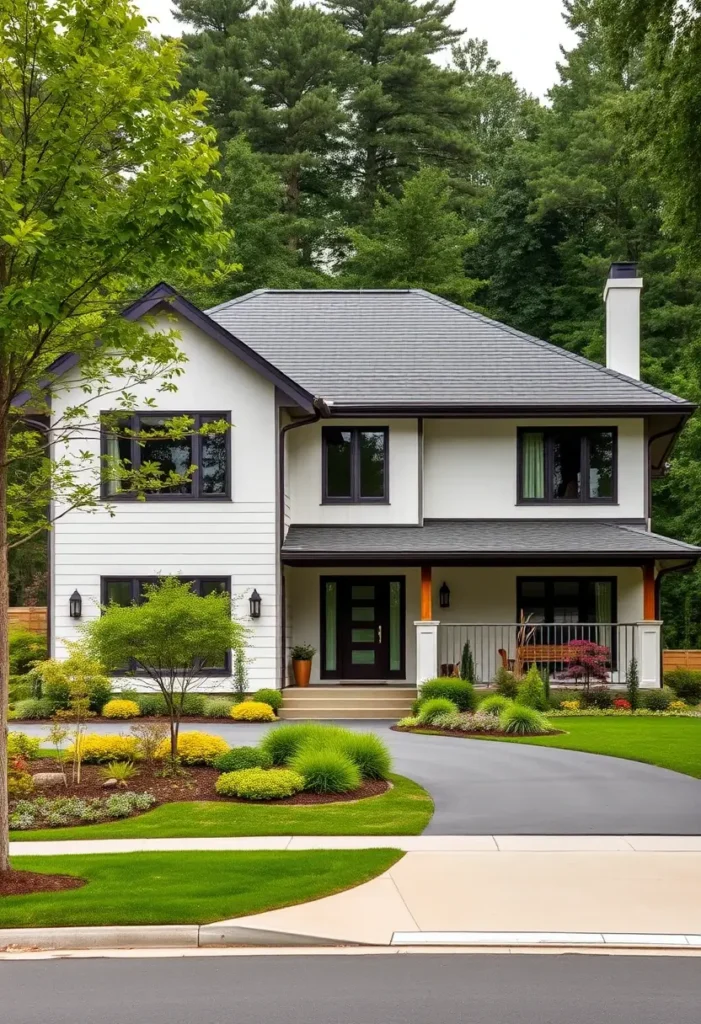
[{"x": 320, "y": 409}]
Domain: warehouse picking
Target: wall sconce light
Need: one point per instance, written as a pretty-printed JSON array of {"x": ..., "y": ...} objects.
[
  {"x": 444, "y": 596},
  {"x": 254, "y": 604},
  {"x": 75, "y": 605}
]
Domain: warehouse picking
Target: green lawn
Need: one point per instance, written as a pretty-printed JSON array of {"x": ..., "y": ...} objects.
[
  {"x": 404, "y": 811},
  {"x": 186, "y": 888},
  {"x": 667, "y": 742}
]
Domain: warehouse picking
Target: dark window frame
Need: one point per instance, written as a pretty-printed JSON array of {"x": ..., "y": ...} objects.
[
  {"x": 613, "y": 580},
  {"x": 355, "y": 497},
  {"x": 137, "y": 449},
  {"x": 549, "y": 434},
  {"x": 136, "y": 584}
]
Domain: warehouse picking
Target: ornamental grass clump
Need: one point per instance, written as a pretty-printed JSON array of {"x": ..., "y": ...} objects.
[
  {"x": 260, "y": 784},
  {"x": 326, "y": 770},
  {"x": 366, "y": 751},
  {"x": 238, "y": 758},
  {"x": 32, "y": 707},
  {"x": 119, "y": 772},
  {"x": 494, "y": 705},
  {"x": 521, "y": 720},
  {"x": 252, "y": 711},
  {"x": 217, "y": 707},
  {"x": 121, "y": 709},
  {"x": 431, "y": 709},
  {"x": 283, "y": 742}
]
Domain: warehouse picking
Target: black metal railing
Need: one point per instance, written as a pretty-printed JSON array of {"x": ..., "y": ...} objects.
[{"x": 571, "y": 652}]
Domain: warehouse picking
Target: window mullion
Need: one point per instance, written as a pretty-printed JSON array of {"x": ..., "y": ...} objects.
[{"x": 584, "y": 466}]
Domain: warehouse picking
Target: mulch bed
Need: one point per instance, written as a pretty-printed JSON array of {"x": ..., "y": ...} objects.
[
  {"x": 373, "y": 787},
  {"x": 19, "y": 883},
  {"x": 435, "y": 731}
]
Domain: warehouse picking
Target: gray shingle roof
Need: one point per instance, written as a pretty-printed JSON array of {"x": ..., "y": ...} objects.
[
  {"x": 412, "y": 348},
  {"x": 484, "y": 537}
]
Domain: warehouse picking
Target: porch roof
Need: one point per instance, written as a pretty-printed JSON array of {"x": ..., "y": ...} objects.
[{"x": 456, "y": 541}]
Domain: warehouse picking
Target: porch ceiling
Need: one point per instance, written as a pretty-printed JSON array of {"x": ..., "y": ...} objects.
[{"x": 466, "y": 541}]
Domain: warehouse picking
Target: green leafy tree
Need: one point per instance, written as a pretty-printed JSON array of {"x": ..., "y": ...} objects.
[
  {"x": 106, "y": 184},
  {"x": 414, "y": 241},
  {"x": 174, "y": 638}
]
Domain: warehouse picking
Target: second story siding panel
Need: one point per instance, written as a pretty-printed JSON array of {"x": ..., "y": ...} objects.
[{"x": 471, "y": 470}]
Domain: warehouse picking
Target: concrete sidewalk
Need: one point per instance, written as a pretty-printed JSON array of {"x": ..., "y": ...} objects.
[
  {"x": 408, "y": 844},
  {"x": 563, "y": 894}
]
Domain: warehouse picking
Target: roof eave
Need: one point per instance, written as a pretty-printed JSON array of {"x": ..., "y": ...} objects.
[
  {"x": 493, "y": 411},
  {"x": 445, "y": 558}
]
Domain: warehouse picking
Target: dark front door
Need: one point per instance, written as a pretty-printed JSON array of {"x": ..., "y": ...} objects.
[{"x": 362, "y": 627}]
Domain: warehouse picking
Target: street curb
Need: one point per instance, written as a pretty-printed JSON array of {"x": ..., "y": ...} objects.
[{"x": 182, "y": 936}]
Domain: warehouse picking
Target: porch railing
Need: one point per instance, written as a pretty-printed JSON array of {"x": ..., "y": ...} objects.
[{"x": 572, "y": 652}]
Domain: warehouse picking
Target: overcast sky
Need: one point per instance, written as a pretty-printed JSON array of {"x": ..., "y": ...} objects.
[{"x": 524, "y": 35}]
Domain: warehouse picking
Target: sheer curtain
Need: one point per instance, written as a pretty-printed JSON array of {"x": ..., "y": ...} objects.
[
  {"x": 112, "y": 450},
  {"x": 533, "y": 465}
]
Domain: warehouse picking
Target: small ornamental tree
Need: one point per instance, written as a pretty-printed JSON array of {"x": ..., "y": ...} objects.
[
  {"x": 82, "y": 675},
  {"x": 173, "y": 640},
  {"x": 586, "y": 661},
  {"x": 633, "y": 684}
]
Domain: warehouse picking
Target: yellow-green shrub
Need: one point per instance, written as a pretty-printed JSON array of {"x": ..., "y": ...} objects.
[
  {"x": 252, "y": 711},
  {"x": 121, "y": 709},
  {"x": 259, "y": 783},
  {"x": 195, "y": 748},
  {"x": 96, "y": 748}
]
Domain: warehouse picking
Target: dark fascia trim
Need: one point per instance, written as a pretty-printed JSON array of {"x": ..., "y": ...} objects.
[
  {"x": 685, "y": 409},
  {"x": 447, "y": 558},
  {"x": 673, "y": 433},
  {"x": 164, "y": 297}
]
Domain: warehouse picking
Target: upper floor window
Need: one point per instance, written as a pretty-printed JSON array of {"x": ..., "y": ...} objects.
[
  {"x": 208, "y": 453},
  {"x": 567, "y": 464},
  {"x": 355, "y": 464}
]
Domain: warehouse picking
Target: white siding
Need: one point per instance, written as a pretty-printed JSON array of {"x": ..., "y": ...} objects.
[
  {"x": 234, "y": 538},
  {"x": 470, "y": 471},
  {"x": 304, "y": 458}
]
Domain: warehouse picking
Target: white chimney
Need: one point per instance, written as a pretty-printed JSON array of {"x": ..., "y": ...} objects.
[{"x": 622, "y": 299}]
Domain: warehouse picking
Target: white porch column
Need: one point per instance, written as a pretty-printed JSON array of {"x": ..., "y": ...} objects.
[
  {"x": 426, "y": 650},
  {"x": 648, "y": 648}
]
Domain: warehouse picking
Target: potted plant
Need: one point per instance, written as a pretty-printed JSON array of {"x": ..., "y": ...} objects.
[{"x": 302, "y": 655}]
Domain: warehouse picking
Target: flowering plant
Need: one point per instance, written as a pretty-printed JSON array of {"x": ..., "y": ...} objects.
[{"x": 622, "y": 703}]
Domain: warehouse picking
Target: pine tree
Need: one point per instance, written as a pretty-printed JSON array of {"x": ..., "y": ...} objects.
[
  {"x": 633, "y": 685},
  {"x": 406, "y": 109},
  {"x": 467, "y": 664}
]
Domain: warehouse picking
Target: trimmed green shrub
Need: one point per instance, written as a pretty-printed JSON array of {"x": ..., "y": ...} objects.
[
  {"x": 100, "y": 694},
  {"x": 522, "y": 720},
  {"x": 19, "y": 689},
  {"x": 117, "y": 708},
  {"x": 217, "y": 707},
  {"x": 127, "y": 693},
  {"x": 21, "y": 745},
  {"x": 495, "y": 705},
  {"x": 686, "y": 683},
  {"x": 151, "y": 704},
  {"x": 531, "y": 692},
  {"x": 460, "y": 692},
  {"x": 431, "y": 709},
  {"x": 260, "y": 784},
  {"x": 596, "y": 697},
  {"x": 26, "y": 647},
  {"x": 58, "y": 694},
  {"x": 657, "y": 700},
  {"x": 191, "y": 703},
  {"x": 367, "y": 751},
  {"x": 271, "y": 697},
  {"x": 326, "y": 770},
  {"x": 505, "y": 683},
  {"x": 238, "y": 758},
  {"x": 33, "y": 708}
]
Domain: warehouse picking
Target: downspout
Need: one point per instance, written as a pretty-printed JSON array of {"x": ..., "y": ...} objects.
[{"x": 320, "y": 409}]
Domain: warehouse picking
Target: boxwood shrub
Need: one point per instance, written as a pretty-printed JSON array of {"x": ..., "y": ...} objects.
[
  {"x": 260, "y": 784},
  {"x": 431, "y": 709},
  {"x": 657, "y": 700},
  {"x": 271, "y": 697},
  {"x": 686, "y": 683},
  {"x": 238, "y": 758},
  {"x": 459, "y": 691},
  {"x": 152, "y": 704}
]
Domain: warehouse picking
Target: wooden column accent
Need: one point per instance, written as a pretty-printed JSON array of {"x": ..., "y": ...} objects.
[
  {"x": 426, "y": 604},
  {"x": 649, "y": 592}
]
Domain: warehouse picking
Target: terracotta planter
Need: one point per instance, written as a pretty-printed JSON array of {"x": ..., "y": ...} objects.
[{"x": 302, "y": 671}]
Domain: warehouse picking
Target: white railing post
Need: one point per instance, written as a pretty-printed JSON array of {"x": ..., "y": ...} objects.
[
  {"x": 426, "y": 650},
  {"x": 648, "y": 647}
]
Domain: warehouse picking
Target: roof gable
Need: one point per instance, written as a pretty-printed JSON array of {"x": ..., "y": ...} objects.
[{"x": 410, "y": 349}]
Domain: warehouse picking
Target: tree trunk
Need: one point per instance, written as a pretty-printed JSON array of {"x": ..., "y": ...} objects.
[{"x": 4, "y": 643}]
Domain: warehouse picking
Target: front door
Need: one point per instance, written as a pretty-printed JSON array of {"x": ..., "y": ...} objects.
[{"x": 362, "y": 627}]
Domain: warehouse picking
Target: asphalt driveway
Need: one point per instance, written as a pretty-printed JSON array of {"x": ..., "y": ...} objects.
[{"x": 491, "y": 788}]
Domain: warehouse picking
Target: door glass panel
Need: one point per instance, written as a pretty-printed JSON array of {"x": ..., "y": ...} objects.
[
  {"x": 363, "y": 657},
  {"x": 362, "y": 593},
  {"x": 363, "y": 636},
  {"x": 330, "y": 622},
  {"x": 362, "y": 614},
  {"x": 395, "y": 627}
]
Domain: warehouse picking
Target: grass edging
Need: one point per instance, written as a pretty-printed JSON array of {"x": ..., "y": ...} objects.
[{"x": 187, "y": 887}]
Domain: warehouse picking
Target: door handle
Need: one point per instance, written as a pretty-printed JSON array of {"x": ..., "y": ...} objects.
[{"x": 379, "y": 634}]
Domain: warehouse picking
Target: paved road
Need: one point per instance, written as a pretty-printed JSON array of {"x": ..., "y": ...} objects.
[
  {"x": 306, "y": 989},
  {"x": 488, "y": 788}
]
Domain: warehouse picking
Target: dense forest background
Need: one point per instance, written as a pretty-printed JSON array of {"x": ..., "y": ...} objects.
[{"x": 369, "y": 143}]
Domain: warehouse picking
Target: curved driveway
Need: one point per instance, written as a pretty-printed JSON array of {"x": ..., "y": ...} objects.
[{"x": 491, "y": 788}]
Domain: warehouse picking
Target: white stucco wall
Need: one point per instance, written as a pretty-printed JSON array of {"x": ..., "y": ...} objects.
[
  {"x": 304, "y": 460},
  {"x": 470, "y": 471},
  {"x": 235, "y": 538}
]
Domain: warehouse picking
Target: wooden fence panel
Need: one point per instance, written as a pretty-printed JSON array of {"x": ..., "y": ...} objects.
[
  {"x": 681, "y": 659},
  {"x": 30, "y": 618}
]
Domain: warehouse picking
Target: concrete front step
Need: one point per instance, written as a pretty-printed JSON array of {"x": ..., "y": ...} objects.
[
  {"x": 340, "y": 712},
  {"x": 329, "y": 702}
]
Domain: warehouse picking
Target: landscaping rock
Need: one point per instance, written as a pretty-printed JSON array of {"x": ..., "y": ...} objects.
[
  {"x": 47, "y": 780},
  {"x": 109, "y": 784}
]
